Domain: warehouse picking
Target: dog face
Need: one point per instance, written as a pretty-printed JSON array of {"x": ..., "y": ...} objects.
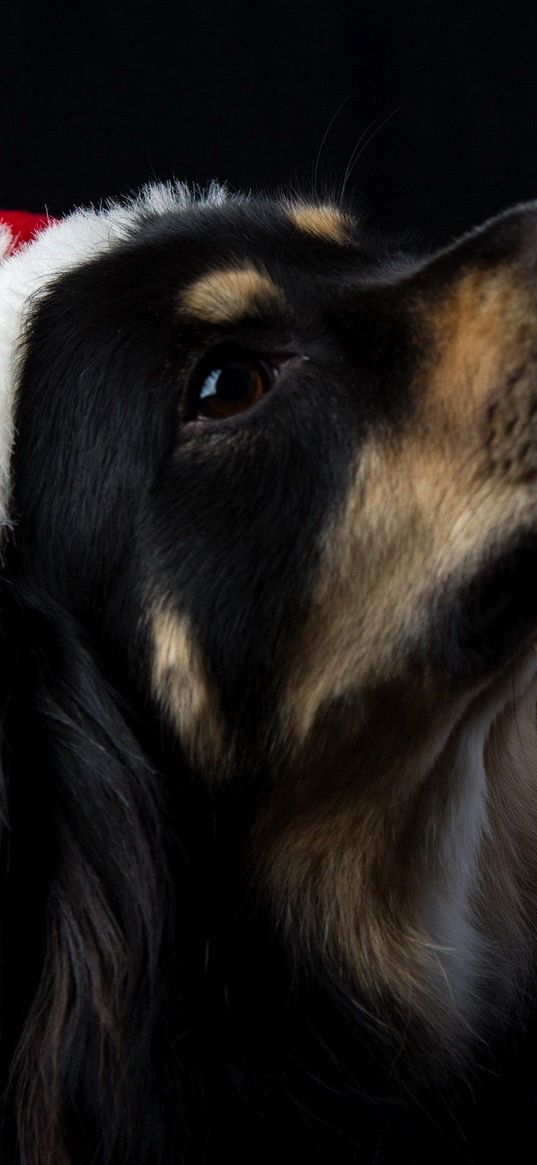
[{"x": 285, "y": 482}]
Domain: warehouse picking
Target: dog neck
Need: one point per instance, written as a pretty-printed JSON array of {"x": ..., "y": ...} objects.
[{"x": 409, "y": 881}]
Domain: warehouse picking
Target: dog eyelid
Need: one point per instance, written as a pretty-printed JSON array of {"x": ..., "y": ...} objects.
[{"x": 230, "y": 382}]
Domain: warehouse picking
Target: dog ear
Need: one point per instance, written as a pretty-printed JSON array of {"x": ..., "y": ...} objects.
[{"x": 86, "y": 879}]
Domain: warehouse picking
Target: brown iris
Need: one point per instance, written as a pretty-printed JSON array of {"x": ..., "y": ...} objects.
[{"x": 232, "y": 387}]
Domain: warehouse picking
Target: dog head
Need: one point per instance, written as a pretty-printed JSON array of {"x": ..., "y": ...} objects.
[{"x": 282, "y": 484}]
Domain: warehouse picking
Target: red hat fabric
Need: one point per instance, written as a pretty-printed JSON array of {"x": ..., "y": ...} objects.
[{"x": 23, "y": 226}]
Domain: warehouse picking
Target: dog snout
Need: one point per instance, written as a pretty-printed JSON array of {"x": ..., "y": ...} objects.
[
  {"x": 474, "y": 309},
  {"x": 511, "y": 427}
]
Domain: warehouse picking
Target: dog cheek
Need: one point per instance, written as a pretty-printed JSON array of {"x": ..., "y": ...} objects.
[{"x": 182, "y": 688}]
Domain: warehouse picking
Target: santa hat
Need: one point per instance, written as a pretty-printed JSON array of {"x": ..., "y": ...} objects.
[
  {"x": 35, "y": 249},
  {"x": 18, "y": 227}
]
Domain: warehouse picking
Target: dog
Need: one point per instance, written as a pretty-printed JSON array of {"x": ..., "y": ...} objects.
[{"x": 269, "y": 641}]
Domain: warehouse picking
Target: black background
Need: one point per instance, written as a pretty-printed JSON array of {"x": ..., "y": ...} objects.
[{"x": 440, "y": 94}]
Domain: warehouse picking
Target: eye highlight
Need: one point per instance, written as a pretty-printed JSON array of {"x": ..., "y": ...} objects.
[{"x": 231, "y": 385}]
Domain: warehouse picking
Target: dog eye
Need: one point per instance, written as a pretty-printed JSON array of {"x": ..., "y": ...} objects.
[{"x": 232, "y": 386}]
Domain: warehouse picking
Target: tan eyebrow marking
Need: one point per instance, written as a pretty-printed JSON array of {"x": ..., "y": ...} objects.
[
  {"x": 223, "y": 296},
  {"x": 327, "y": 222}
]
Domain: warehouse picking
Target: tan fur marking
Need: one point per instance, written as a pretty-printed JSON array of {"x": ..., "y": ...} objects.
[
  {"x": 326, "y": 222},
  {"x": 182, "y": 687},
  {"x": 416, "y": 523},
  {"x": 482, "y": 334},
  {"x": 427, "y": 503},
  {"x": 224, "y": 296},
  {"x": 386, "y": 842},
  {"x": 482, "y": 381}
]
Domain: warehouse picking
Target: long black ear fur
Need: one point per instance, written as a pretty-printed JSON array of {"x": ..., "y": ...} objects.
[{"x": 86, "y": 889}]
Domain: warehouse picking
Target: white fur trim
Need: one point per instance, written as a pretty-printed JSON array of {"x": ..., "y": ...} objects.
[
  {"x": 84, "y": 234},
  {"x": 5, "y": 239}
]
